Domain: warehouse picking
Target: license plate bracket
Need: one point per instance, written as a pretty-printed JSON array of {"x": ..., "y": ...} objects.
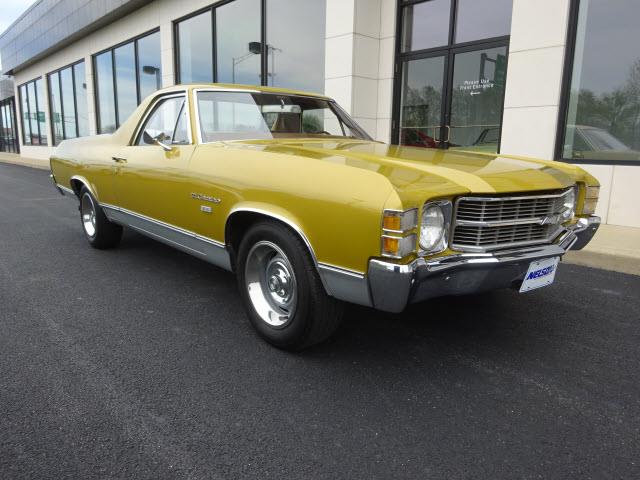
[{"x": 541, "y": 273}]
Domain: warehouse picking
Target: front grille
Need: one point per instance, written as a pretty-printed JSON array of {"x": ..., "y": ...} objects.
[{"x": 488, "y": 223}]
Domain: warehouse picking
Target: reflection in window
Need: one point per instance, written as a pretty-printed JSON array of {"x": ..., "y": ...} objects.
[
  {"x": 105, "y": 93},
  {"x": 295, "y": 33},
  {"x": 425, "y": 25},
  {"x": 195, "y": 49},
  {"x": 421, "y": 102},
  {"x": 149, "y": 69},
  {"x": 132, "y": 86},
  {"x": 477, "y": 97},
  {"x": 477, "y": 20},
  {"x": 126, "y": 94},
  {"x": 240, "y": 115},
  {"x": 68, "y": 103},
  {"x": 34, "y": 128},
  {"x": 238, "y": 49},
  {"x": 603, "y": 117},
  {"x": 167, "y": 123}
]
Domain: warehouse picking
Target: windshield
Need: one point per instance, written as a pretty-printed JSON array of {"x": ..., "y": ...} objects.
[
  {"x": 245, "y": 115},
  {"x": 603, "y": 140}
]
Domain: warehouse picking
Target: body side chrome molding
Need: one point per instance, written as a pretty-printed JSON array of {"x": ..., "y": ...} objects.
[{"x": 190, "y": 242}]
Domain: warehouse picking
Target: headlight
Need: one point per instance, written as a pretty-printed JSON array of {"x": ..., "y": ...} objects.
[
  {"x": 569, "y": 206},
  {"x": 433, "y": 229}
]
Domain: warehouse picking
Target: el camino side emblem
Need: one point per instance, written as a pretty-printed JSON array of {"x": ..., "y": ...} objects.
[{"x": 205, "y": 198}]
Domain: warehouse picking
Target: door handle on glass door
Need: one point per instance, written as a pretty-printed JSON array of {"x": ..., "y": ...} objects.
[{"x": 446, "y": 140}]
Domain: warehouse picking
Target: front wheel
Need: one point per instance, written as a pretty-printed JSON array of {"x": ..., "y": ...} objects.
[
  {"x": 281, "y": 289},
  {"x": 100, "y": 232}
]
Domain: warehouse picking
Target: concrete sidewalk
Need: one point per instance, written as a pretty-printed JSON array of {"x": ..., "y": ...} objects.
[
  {"x": 613, "y": 247},
  {"x": 17, "y": 159}
]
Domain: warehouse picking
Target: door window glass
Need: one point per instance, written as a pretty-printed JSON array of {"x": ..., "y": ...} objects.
[
  {"x": 421, "y": 102},
  {"x": 477, "y": 98},
  {"x": 167, "y": 123},
  {"x": 479, "y": 19},
  {"x": 425, "y": 25}
]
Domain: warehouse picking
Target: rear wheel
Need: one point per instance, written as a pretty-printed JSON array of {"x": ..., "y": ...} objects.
[
  {"x": 281, "y": 289},
  {"x": 100, "y": 232}
]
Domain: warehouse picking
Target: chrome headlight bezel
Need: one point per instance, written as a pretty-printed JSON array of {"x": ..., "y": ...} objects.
[
  {"x": 442, "y": 210},
  {"x": 570, "y": 202}
]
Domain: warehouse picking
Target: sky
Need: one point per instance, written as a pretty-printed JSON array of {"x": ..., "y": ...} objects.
[{"x": 9, "y": 11}]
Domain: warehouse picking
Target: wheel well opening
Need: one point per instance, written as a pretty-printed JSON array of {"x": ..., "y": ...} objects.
[
  {"x": 239, "y": 223},
  {"x": 76, "y": 186}
]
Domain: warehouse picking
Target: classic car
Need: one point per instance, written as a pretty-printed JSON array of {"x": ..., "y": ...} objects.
[{"x": 287, "y": 191}]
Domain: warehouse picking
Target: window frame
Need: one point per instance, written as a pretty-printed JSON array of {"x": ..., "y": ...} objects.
[
  {"x": 565, "y": 96},
  {"x": 75, "y": 100},
  {"x": 137, "y": 133},
  {"x": 37, "y": 122},
  {"x": 111, "y": 52},
  {"x": 448, "y": 51}
]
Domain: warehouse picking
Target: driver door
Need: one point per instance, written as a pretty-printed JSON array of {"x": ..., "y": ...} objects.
[{"x": 151, "y": 177}]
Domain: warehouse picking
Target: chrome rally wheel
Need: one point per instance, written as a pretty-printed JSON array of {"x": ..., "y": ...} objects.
[
  {"x": 271, "y": 284},
  {"x": 88, "y": 215}
]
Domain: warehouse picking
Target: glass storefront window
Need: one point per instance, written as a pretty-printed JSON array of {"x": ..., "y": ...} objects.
[
  {"x": 149, "y": 68},
  {"x": 126, "y": 92},
  {"x": 295, "y": 33},
  {"x": 238, "y": 60},
  {"x": 195, "y": 49},
  {"x": 105, "y": 93},
  {"x": 68, "y": 103},
  {"x": 478, "y": 19},
  {"x": 55, "y": 105},
  {"x": 40, "y": 115},
  {"x": 131, "y": 85},
  {"x": 34, "y": 127},
  {"x": 603, "y": 113},
  {"x": 26, "y": 121},
  {"x": 425, "y": 25},
  {"x": 81, "y": 99}
]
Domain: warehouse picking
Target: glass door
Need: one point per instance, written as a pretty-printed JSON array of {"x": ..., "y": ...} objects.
[
  {"x": 474, "y": 118},
  {"x": 422, "y": 101},
  {"x": 450, "y": 73}
]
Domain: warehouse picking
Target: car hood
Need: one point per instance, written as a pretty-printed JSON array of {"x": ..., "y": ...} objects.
[{"x": 418, "y": 173}]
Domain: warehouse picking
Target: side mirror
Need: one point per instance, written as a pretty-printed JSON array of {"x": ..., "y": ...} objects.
[{"x": 150, "y": 140}]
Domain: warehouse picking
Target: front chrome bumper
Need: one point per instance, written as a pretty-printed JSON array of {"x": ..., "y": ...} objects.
[{"x": 392, "y": 287}]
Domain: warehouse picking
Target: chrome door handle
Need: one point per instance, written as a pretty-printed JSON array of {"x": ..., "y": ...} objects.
[
  {"x": 448, "y": 127},
  {"x": 119, "y": 159}
]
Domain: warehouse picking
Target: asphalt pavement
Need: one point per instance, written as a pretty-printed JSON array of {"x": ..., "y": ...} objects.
[{"x": 138, "y": 363}]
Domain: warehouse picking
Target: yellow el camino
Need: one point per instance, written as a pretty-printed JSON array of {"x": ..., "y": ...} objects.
[{"x": 287, "y": 191}]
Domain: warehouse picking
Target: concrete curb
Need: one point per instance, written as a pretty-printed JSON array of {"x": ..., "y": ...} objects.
[{"x": 604, "y": 261}]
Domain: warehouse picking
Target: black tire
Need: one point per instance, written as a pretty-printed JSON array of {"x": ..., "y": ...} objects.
[
  {"x": 316, "y": 315},
  {"x": 98, "y": 230}
]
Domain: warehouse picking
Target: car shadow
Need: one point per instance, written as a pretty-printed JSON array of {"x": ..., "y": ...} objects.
[{"x": 494, "y": 323}]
